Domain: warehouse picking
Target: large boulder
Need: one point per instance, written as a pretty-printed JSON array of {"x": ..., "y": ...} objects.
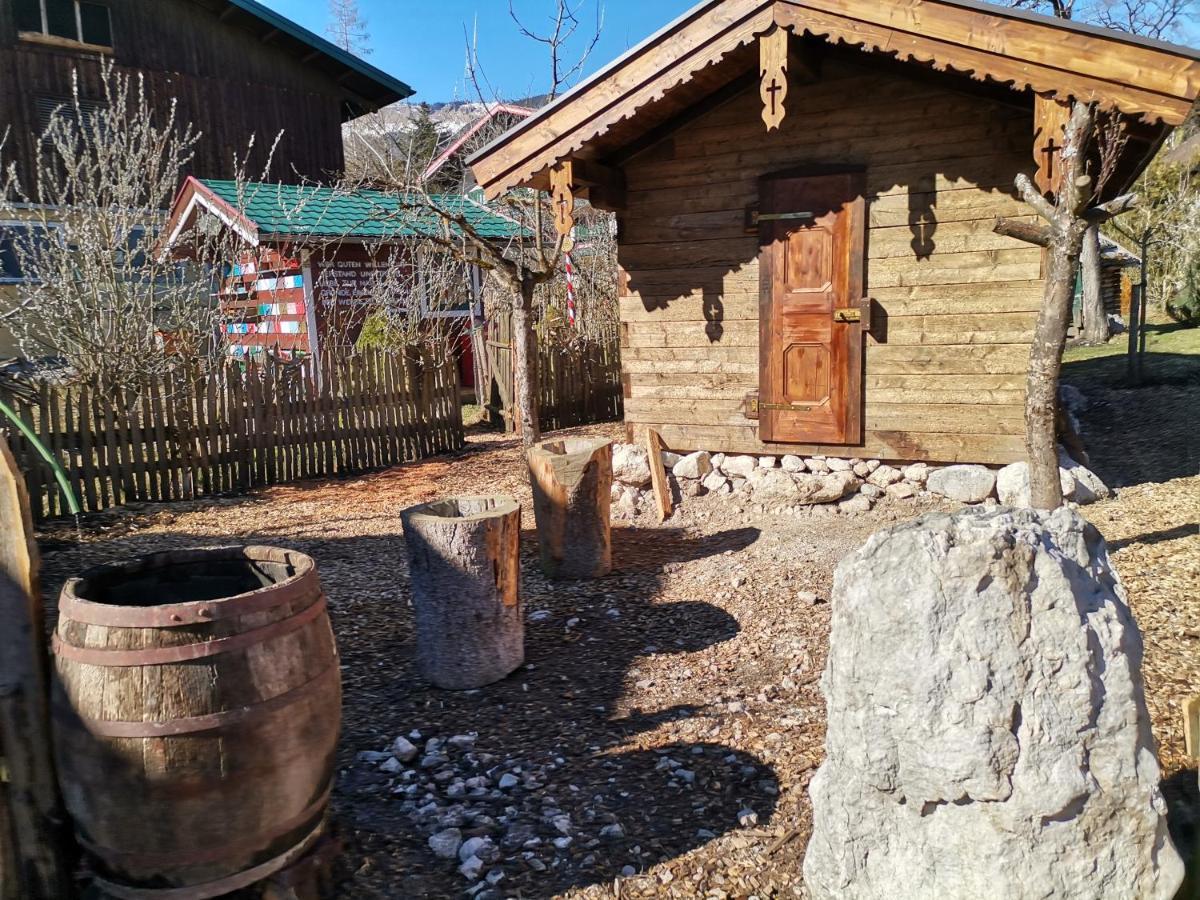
[
  {"x": 987, "y": 725},
  {"x": 966, "y": 484},
  {"x": 631, "y": 465},
  {"x": 1089, "y": 487}
]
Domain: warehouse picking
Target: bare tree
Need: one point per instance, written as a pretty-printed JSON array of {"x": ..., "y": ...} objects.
[
  {"x": 347, "y": 28},
  {"x": 519, "y": 267},
  {"x": 1152, "y": 18},
  {"x": 1067, "y": 220},
  {"x": 97, "y": 291}
]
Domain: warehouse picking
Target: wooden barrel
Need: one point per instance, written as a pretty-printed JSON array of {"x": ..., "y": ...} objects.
[{"x": 197, "y": 709}]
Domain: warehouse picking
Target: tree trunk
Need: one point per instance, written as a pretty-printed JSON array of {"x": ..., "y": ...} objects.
[
  {"x": 525, "y": 378},
  {"x": 464, "y": 568},
  {"x": 1095, "y": 318},
  {"x": 1045, "y": 362},
  {"x": 572, "y": 500}
]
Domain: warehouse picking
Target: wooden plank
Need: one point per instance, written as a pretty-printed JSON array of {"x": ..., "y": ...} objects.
[
  {"x": 658, "y": 475},
  {"x": 87, "y": 459},
  {"x": 35, "y": 860}
]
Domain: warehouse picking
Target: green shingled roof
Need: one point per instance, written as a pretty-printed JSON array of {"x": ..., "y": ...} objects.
[{"x": 287, "y": 210}]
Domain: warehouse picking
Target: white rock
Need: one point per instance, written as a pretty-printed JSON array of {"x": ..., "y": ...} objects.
[
  {"x": 1012, "y": 485},
  {"x": 739, "y": 466},
  {"x": 871, "y": 491},
  {"x": 856, "y": 505},
  {"x": 966, "y": 484},
  {"x": 861, "y": 469},
  {"x": 718, "y": 460},
  {"x": 669, "y": 459},
  {"x": 472, "y": 868},
  {"x": 445, "y": 844},
  {"x": 816, "y": 466},
  {"x": 917, "y": 473},
  {"x": 873, "y": 464},
  {"x": 403, "y": 749},
  {"x": 508, "y": 781},
  {"x": 476, "y": 847},
  {"x": 714, "y": 482},
  {"x": 391, "y": 766},
  {"x": 792, "y": 464},
  {"x": 631, "y": 464},
  {"x": 1011, "y": 755},
  {"x": 885, "y": 475},
  {"x": 901, "y": 490},
  {"x": 694, "y": 465},
  {"x": 767, "y": 462},
  {"x": 747, "y": 818},
  {"x": 1089, "y": 487},
  {"x": 838, "y": 465},
  {"x": 612, "y": 832}
]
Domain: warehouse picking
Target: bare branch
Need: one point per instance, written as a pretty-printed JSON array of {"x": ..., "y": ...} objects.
[
  {"x": 1030, "y": 195},
  {"x": 1030, "y": 232},
  {"x": 1113, "y": 208}
]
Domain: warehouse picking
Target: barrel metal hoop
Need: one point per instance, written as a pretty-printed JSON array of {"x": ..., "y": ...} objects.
[
  {"x": 181, "y": 615},
  {"x": 163, "y": 656},
  {"x": 115, "y": 728},
  {"x": 220, "y": 887}
]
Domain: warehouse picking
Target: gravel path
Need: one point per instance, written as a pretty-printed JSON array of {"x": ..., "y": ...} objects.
[{"x": 660, "y": 739}]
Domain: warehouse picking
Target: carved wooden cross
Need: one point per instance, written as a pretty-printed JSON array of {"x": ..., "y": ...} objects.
[{"x": 773, "y": 68}]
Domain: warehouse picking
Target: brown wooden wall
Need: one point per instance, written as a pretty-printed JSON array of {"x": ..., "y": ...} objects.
[
  {"x": 229, "y": 84},
  {"x": 945, "y": 373}
]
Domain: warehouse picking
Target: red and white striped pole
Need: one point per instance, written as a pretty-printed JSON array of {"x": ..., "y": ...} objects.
[{"x": 570, "y": 283}]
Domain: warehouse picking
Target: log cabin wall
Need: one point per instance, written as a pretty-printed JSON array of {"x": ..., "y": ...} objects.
[
  {"x": 945, "y": 367},
  {"x": 230, "y": 85}
]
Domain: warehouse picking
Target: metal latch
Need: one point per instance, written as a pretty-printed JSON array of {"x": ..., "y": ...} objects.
[
  {"x": 782, "y": 217},
  {"x": 847, "y": 315},
  {"x": 785, "y": 407}
]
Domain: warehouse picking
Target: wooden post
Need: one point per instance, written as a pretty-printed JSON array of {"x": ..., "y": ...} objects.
[
  {"x": 464, "y": 567},
  {"x": 572, "y": 501},
  {"x": 34, "y": 864}
]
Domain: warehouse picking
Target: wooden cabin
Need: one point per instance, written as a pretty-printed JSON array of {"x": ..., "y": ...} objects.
[{"x": 806, "y": 192}]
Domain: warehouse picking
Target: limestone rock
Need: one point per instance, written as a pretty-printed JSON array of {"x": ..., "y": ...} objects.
[
  {"x": 792, "y": 464},
  {"x": 967, "y": 484},
  {"x": 856, "y": 505},
  {"x": 816, "y": 466},
  {"x": 861, "y": 469},
  {"x": 718, "y": 460},
  {"x": 694, "y": 465},
  {"x": 767, "y": 462},
  {"x": 1089, "y": 487},
  {"x": 825, "y": 488},
  {"x": 631, "y": 464},
  {"x": 739, "y": 466},
  {"x": 885, "y": 475},
  {"x": 987, "y": 725},
  {"x": 715, "y": 481},
  {"x": 901, "y": 490},
  {"x": 772, "y": 486},
  {"x": 917, "y": 473},
  {"x": 1012, "y": 485},
  {"x": 871, "y": 491},
  {"x": 838, "y": 465},
  {"x": 669, "y": 459}
]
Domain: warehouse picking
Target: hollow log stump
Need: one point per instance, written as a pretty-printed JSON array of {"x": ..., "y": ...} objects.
[
  {"x": 464, "y": 566},
  {"x": 572, "y": 500}
]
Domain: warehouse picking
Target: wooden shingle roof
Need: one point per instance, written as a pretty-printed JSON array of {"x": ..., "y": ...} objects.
[{"x": 701, "y": 51}]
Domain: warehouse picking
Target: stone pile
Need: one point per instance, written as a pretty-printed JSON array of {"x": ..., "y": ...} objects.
[
  {"x": 987, "y": 726},
  {"x": 849, "y": 485}
]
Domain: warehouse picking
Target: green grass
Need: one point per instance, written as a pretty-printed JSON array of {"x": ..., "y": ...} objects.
[{"x": 1172, "y": 357}]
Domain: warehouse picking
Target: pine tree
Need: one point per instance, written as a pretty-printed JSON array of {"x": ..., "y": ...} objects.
[
  {"x": 423, "y": 146},
  {"x": 347, "y": 28}
]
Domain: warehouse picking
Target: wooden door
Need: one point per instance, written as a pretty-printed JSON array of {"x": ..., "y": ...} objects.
[{"x": 812, "y": 232}]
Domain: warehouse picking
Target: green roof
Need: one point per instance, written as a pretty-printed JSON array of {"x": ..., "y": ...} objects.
[{"x": 288, "y": 210}]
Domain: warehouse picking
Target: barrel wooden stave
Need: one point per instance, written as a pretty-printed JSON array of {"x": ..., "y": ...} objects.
[{"x": 197, "y": 807}]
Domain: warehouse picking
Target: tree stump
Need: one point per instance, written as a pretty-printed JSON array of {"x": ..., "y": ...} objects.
[
  {"x": 464, "y": 567},
  {"x": 572, "y": 499}
]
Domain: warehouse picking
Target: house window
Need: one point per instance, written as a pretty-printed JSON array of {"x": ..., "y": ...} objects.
[
  {"x": 14, "y": 235},
  {"x": 75, "y": 21}
]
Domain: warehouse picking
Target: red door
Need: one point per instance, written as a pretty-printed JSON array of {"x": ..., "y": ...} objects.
[{"x": 812, "y": 252}]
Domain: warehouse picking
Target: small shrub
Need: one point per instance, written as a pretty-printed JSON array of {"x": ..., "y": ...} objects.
[{"x": 1185, "y": 305}]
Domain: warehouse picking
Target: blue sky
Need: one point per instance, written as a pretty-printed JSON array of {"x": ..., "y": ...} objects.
[{"x": 422, "y": 42}]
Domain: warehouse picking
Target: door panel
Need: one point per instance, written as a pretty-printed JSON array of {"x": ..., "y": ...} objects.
[{"x": 812, "y": 253}]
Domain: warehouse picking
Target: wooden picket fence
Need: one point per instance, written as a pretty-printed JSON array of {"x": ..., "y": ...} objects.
[
  {"x": 579, "y": 383},
  {"x": 188, "y": 435}
]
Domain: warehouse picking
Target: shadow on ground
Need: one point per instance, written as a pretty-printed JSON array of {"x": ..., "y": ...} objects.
[
  {"x": 1144, "y": 434},
  {"x": 562, "y": 717},
  {"x": 1182, "y": 793}
]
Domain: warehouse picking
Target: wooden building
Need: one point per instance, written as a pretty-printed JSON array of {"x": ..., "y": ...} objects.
[
  {"x": 237, "y": 69},
  {"x": 806, "y": 192},
  {"x": 313, "y": 260}
]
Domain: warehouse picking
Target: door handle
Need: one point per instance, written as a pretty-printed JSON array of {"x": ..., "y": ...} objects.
[{"x": 860, "y": 314}]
